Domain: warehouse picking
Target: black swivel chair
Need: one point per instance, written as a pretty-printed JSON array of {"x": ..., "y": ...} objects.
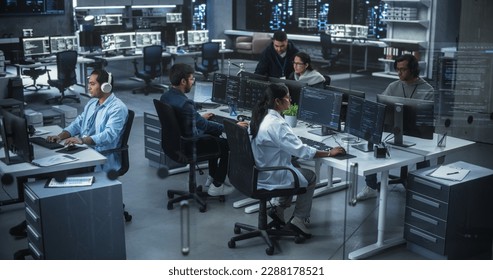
[
  {"x": 123, "y": 150},
  {"x": 328, "y": 51},
  {"x": 152, "y": 68},
  {"x": 34, "y": 73},
  {"x": 180, "y": 149},
  {"x": 243, "y": 174},
  {"x": 210, "y": 56},
  {"x": 66, "y": 62}
]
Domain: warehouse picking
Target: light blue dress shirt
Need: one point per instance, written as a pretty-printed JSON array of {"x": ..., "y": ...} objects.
[
  {"x": 274, "y": 145},
  {"x": 109, "y": 124}
]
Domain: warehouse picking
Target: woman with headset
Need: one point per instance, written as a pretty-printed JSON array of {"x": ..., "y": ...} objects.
[{"x": 102, "y": 122}]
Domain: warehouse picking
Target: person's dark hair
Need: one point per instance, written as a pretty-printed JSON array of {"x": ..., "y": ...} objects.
[
  {"x": 178, "y": 72},
  {"x": 266, "y": 102},
  {"x": 412, "y": 63},
  {"x": 280, "y": 36},
  {"x": 305, "y": 58},
  {"x": 103, "y": 76}
]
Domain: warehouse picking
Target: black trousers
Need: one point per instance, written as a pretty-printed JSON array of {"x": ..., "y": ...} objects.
[{"x": 218, "y": 166}]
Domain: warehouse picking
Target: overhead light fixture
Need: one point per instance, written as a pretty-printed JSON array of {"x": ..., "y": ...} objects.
[
  {"x": 88, "y": 18},
  {"x": 152, "y": 6},
  {"x": 100, "y": 7}
]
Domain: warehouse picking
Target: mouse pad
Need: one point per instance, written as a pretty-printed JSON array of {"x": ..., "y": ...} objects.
[{"x": 71, "y": 150}]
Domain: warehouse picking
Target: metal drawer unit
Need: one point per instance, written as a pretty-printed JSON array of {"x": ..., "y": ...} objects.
[
  {"x": 152, "y": 144},
  {"x": 75, "y": 222},
  {"x": 448, "y": 219}
]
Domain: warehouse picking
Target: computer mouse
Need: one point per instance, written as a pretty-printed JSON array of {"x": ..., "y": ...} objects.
[{"x": 72, "y": 147}]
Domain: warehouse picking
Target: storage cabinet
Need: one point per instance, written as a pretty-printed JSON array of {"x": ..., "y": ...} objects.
[
  {"x": 447, "y": 219},
  {"x": 408, "y": 31},
  {"x": 75, "y": 222}
]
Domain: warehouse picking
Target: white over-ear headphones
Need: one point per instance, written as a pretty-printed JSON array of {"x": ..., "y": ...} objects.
[{"x": 106, "y": 87}]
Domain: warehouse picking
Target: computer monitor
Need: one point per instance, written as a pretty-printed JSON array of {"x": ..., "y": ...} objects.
[
  {"x": 321, "y": 107},
  {"x": 124, "y": 41},
  {"x": 90, "y": 40},
  {"x": 406, "y": 116},
  {"x": 294, "y": 87},
  {"x": 251, "y": 91},
  {"x": 143, "y": 39},
  {"x": 36, "y": 46},
  {"x": 15, "y": 138},
  {"x": 365, "y": 119},
  {"x": 64, "y": 43},
  {"x": 180, "y": 39},
  {"x": 345, "y": 97},
  {"x": 197, "y": 37},
  {"x": 219, "y": 85}
]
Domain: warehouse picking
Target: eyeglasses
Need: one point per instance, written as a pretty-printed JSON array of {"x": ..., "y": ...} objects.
[
  {"x": 402, "y": 69},
  {"x": 298, "y": 63}
]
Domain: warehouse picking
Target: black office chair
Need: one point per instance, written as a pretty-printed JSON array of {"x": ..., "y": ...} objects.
[
  {"x": 123, "y": 150},
  {"x": 243, "y": 174},
  {"x": 35, "y": 73},
  {"x": 210, "y": 56},
  {"x": 66, "y": 62},
  {"x": 180, "y": 148},
  {"x": 328, "y": 51},
  {"x": 152, "y": 68}
]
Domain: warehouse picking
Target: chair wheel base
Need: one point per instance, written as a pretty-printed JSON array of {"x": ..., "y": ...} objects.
[
  {"x": 231, "y": 244},
  {"x": 269, "y": 251}
]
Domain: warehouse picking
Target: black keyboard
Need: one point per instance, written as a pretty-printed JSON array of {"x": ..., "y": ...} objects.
[
  {"x": 315, "y": 144},
  {"x": 220, "y": 119},
  {"x": 321, "y": 146},
  {"x": 43, "y": 143}
]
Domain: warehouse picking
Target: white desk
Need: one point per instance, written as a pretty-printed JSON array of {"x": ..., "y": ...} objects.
[
  {"x": 196, "y": 54},
  {"x": 87, "y": 158}
]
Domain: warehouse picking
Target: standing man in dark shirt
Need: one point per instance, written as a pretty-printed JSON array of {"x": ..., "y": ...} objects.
[{"x": 277, "y": 58}]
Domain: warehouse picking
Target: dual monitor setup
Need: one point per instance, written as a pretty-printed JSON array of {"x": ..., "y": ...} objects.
[
  {"x": 330, "y": 107},
  {"x": 129, "y": 41},
  {"x": 191, "y": 38},
  {"x": 42, "y": 46}
]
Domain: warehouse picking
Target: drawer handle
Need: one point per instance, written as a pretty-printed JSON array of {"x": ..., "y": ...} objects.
[
  {"x": 428, "y": 183},
  {"x": 153, "y": 129},
  {"x": 35, "y": 250},
  {"x": 424, "y": 218},
  {"x": 153, "y": 152},
  {"x": 31, "y": 213},
  {"x": 33, "y": 232},
  {"x": 153, "y": 117},
  {"x": 425, "y": 236},
  {"x": 153, "y": 141},
  {"x": 29, "y": 194},
  {"x": 426, "y": 201}
]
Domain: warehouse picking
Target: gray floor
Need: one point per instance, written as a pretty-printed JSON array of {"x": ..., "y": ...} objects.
[{"x": 154, "y": 232}]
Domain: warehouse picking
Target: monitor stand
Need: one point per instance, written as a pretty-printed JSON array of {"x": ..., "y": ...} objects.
[
  {"x": 9, "y": 160},
  {"x": 323, "y": 131},
  {"x": 350, "y": 140},
  {"x": 364, "y": 147},
  {"x": 404, "y": 144}
]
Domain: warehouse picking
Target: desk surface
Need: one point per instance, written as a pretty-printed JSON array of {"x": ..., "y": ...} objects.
[{"x": 87, "y": 158}]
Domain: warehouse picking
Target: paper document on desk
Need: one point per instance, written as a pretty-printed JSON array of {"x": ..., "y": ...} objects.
[
  {"x": 53, "y": 160},
  {"x": 450, "y": 172},
  {"x": 84, "y": 181}
]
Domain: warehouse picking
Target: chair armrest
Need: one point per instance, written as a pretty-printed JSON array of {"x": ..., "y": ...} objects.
[
  {"x": 274, "y": 168},
  {"x": 243, "y": 39},
  {"x": 110, "y": 151}
]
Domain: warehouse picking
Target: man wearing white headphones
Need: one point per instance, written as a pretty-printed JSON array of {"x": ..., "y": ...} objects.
[{"x": 101, "y": 124}]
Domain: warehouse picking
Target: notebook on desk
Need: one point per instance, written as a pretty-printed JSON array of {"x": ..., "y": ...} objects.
[{"x": 53, "y": 160}]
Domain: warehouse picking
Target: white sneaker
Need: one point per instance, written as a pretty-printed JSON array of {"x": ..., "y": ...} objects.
[
  {"x": 299, "y": 225},
  {"x": 221, "y": 190},
  {"x": 366, "y": 193}
]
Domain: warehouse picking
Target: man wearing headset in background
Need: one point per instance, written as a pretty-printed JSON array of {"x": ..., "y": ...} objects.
[
  {"x": 102, "y": 122},
  {"x": 409, "y": 85}
]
